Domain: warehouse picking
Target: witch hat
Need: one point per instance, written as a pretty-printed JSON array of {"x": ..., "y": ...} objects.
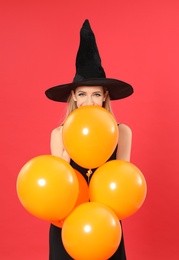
[{"x": 89, "y": 71}]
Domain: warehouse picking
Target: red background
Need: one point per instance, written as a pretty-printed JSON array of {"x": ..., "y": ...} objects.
[{"x": 138, "y": 42}]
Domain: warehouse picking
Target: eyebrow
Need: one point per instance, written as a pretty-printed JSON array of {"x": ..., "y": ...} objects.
[{"x": 98, "y": 91}]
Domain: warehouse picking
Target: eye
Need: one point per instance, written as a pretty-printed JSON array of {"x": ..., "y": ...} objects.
[
  {"x": 81, "y": 94},
  {"x": 97, "y": 94}
]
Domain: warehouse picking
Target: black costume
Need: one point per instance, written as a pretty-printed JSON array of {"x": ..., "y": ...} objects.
[{"x": 57, "y": 250}]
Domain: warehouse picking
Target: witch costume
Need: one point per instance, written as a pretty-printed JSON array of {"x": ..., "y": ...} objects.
[{"x": 89, "y": 72}]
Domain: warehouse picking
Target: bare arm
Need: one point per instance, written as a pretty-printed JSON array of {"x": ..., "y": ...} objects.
[
  {"x": 124, "y": 143},
  {"x": 56, "y": 144}
]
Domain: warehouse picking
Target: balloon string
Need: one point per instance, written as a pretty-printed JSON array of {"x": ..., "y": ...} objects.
[{"x": 89, "y": 172}]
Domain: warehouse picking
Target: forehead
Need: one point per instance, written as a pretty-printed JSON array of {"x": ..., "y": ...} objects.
[{"x": 90, "y": 89}]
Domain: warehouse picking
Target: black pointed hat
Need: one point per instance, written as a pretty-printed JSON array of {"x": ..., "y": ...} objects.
[{"x": 89, "y": 71}]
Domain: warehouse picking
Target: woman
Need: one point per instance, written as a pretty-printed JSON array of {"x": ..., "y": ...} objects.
[{"x": 89, "y": 87}]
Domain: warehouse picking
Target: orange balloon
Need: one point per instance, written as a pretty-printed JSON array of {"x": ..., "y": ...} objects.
[
  {"x": 83, "y": 195},
  {"x": 120, "y": 185},
  {"x": 47, "y": 187},
  {"x": 91, "y": 232},
  {"x": 90, "y": 136}
]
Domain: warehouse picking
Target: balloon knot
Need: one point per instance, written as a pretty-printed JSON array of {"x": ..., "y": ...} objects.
[{"x": 89, "y": 172}]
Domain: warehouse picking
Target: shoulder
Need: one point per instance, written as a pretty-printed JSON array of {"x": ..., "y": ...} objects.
[
  {"x": 56, "y": 143},
  {"x": 125, "y": 134},
  {"x": 124, "y": 142},
  {"x": 56, "y": 132},
  {"x": 124, "y": 129}
]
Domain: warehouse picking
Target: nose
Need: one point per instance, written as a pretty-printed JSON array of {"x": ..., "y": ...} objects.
[{"x": 89, "y": 101}]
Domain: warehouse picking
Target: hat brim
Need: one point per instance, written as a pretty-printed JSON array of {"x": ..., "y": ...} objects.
[{"x": 117, "y": 88}]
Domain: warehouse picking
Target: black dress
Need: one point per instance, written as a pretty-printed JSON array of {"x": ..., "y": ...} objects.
[{"x": 57, "y": 250}]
